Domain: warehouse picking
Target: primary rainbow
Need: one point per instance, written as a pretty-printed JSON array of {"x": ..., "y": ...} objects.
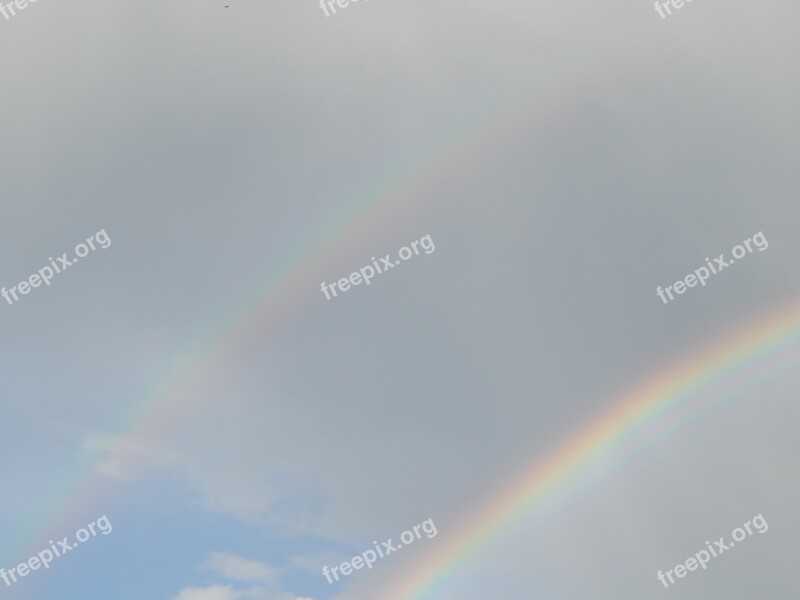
[
  {"x": 746, "y": 358},
  {"x": 730, "y": 368}
]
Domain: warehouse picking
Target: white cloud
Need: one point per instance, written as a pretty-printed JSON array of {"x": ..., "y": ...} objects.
[
  {"x": 216, "y": 592},
  {"x": 228, "y": 593},
  {"x": 310, "y": 563},
  {"x": 122, "y": 456},
  {"x": 237, "y": 568}
]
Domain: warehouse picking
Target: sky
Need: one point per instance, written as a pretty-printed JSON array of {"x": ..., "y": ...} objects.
[{"x": 189, "y": 381}]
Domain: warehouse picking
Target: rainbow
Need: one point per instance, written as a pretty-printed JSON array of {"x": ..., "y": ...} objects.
[
  {"x": 730, "y": 368},
  {"x": 738, "y": 363},
  {"x": 289, "y": 285}
]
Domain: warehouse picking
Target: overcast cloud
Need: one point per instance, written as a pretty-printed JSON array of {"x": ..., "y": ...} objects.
[{"x": 192, "y": 382}]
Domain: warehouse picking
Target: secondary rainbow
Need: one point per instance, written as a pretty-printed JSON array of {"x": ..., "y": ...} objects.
[{"x": 273, "y": 298}]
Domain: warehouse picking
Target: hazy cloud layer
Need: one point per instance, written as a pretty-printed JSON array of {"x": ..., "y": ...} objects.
[{"x": 565, "y": 159}]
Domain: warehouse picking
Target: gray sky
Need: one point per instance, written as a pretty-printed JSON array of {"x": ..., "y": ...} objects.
[{"x": 565, "y": 158}]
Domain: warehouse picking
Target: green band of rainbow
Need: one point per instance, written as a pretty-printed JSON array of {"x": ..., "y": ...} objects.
[{"x": 761, "y": 352}]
